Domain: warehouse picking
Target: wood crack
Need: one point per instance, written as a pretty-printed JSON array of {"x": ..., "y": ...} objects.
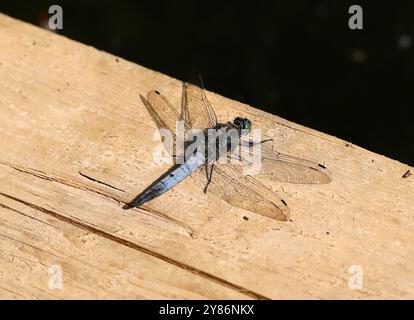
[
  {"x": 73, "y": 184},
  {"x": 67, "y": 182},
  {"x": 100, "y": 182},
  {"x": 26, "y": 215}
]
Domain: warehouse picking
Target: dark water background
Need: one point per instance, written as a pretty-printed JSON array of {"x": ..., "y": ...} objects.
[{"x": 297, "y": 59}]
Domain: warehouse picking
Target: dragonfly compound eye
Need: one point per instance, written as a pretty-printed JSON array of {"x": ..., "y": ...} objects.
[
  {"x": 243, "y": 124},
  {"x": 247, "y": 125}
]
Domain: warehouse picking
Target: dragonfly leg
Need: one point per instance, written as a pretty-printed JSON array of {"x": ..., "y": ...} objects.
[
  {"x": 209, "y": 176},
  {"x": 252, "y": 143}
]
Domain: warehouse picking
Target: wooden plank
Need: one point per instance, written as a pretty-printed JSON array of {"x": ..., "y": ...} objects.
[
  {"x": 34, "y": 242},
  {"x": 78, "y": 144}
]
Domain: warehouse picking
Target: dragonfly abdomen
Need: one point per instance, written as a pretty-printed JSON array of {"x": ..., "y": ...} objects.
[{"x": 167, "y": 181}]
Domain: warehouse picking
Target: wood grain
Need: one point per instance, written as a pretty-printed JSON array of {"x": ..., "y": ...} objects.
[{"x": 77, "y": 144}]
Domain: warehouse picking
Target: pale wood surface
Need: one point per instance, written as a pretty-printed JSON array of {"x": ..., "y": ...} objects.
[{"x": 66, "y": 109}]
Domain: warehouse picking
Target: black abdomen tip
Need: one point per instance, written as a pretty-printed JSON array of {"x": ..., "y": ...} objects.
[{"x": 127, "y": 206}]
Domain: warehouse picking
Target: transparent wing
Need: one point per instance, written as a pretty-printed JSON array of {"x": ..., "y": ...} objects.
[
  {"x": 165, "y": 117},
  {"x": 196, "y": 110},
  {"x": 281, "y": 167},
  {"x": 229, "y": 183}
]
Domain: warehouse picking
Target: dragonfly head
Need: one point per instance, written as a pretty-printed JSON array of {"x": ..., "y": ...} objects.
[{"x": 244, "y": 125}]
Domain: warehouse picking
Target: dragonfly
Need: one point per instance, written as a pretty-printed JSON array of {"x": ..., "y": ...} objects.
[{"x": 225, "y": 179}]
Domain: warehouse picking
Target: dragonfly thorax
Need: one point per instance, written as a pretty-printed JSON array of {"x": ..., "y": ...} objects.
[
  {"x": 218, "y": 141},
  {"x": 244, "y": 125}
]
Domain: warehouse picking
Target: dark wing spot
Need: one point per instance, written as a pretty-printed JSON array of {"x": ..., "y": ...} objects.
[
  {"x": 157, "y": 92},
  {"x": 407, "y": 174},
  {"x": 322, "y": 166},
  {"x": 284, "y": 202}
]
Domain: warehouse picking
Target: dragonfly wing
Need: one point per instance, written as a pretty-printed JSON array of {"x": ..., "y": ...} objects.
[
  {"x": 245, "y": 192},
  {"x": 196, "y": 110},
  {"x": 165, "y": 117},
  {"x": 281, "y": 167}
]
